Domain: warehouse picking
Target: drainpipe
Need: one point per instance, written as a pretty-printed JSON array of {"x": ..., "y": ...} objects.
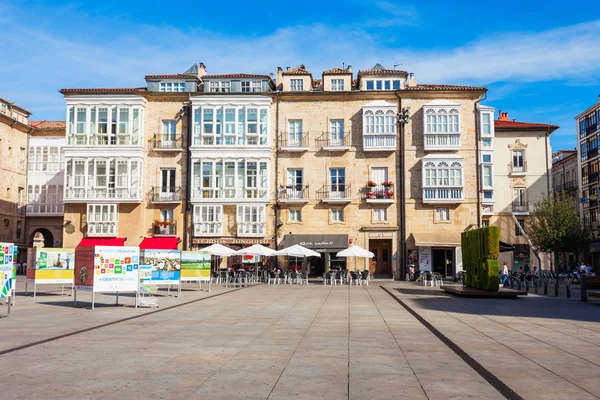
[
  {"x": 477, "y": 158},
  {"x": 402, "y": 194},
  {"x": 547, "y": 135},
  {"x": 188, "y": 178},
  {"x": 276, "y": 210}
]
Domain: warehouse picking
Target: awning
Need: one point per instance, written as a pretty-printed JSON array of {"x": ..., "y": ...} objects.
[
  {"x": 322, "y": 243},
  {"x": 521, "y": 251},
  {"x": 160, "y": 243},
  {"x": 90, "y": 242},
  {"x": 441, "y": 239},
  {"x": 506, "y": 247}
]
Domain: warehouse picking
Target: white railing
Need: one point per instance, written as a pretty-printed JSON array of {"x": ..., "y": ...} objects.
[
  {"x": 103, "y": 139},
  {"x": 374, "y": 142},
  {"x": 442, "y": 140},
  {"x": 33, "y": 209},
  {"x": 208, "y": 229},
  {"x": 251, "y": 228},
  {"x": 229, "y": 193},
  {"x": 99, "y": 194},
  {"x": 102, "y": 228},
  {"x": 440, "y": 194}
]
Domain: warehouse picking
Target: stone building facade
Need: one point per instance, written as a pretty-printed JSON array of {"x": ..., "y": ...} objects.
[
  {"x": 14, "y": 134},
  {"x": 45, "y": 183},
  {"x": 520, "y": 177}
]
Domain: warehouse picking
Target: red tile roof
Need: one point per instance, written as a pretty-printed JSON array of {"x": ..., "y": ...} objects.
[
  {"x": 423, "y": 87},
  {"x": 301, "y": 70},
  {"x": 172, "y": 76},
  {"x": 337, "y": 71},
  {"x": 213, "y": 76},
  {"x": 317, "y": 84},
  {"x": 46, "y": 124},
  {"x": 379, "y": 69},
  {"x": 102, "y": 90},
  {"x": 522, "y": 125}
]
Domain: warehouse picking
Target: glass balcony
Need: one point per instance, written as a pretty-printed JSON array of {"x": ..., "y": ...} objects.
[
  {"x": 442, "y": 141},
  {"x": 103, "y": 140},
  {"x": 208, "y": 229},
  {"x": 230, "y": 194},
  {"x": 83, "y": 194},
  {"x": 45, "y": 209},
  {"x": 102, "y": 229}
]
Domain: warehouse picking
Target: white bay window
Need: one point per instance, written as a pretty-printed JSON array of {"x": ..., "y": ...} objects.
[
  {"x": 230, "y": 126},
  {"x": 105, "y": 125},
  {"x": 208, "y": 220},
  {"x": 102, "y": 219},
  {"x": 442, "y": 128},
  {"x": 379, "y": 126},
  {"x": 103, "y": 178},
  {"x": 251, "y": 220},
  {"x": 230, "y": 179},
  {"x": 442, "y": 181}
]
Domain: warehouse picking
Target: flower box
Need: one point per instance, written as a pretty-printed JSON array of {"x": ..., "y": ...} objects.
[{"x": 371, "y": 184}]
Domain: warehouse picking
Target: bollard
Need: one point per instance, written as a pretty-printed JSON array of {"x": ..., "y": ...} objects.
[
  {"x": 583, "y": 288},
  {"x": 568, "y": 291},
  {"x": 556, "y": 289},
  {"x": 546, "y": 287}
]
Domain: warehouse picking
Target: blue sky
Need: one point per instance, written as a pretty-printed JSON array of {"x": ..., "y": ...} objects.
[{"x": 541, "y": 63}]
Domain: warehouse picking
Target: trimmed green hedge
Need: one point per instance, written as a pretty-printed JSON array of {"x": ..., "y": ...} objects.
[{"x": 480, "y": 249}]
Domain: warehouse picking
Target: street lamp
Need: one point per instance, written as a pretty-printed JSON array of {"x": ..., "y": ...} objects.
[{"x": 402, "y": 117}]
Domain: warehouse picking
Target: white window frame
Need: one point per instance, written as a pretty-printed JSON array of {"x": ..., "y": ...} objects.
[
  {"x": 295, "y": 215},
  {"x": 102, "y": 219},
  {"x": 487, "y": 124},
  {"x": 337, "y": 215},
  {"x": 337, "y": 85},
  {"x": 441, "y": 127},
  {"x": 213, "y": 125},
  {"x": 208, "y": 220},
  {"x": 112, "y": 129},
  {"x": 297, "y": 85},
  {"x": 380, "y": 214},
  {"x": 251, "y": 220},
  {"x": 443, "y": 180},
  {"x": 244, "y": 183},
  {"x": 484, "y": 168},
  {"x": 442, "y": 214}
]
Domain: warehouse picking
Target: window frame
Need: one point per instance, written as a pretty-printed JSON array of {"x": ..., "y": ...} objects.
[{"x": 337, "y": 215}]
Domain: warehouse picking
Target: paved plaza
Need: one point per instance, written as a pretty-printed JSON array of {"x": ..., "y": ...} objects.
[{"x": 302, "y": 342}]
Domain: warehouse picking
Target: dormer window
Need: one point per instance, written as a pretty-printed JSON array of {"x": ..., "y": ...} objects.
[
  {"x": 220, "y": 87},
  {"x": 251, "y": 86},
  {"x": 296, "y": 85},
  {"x": 383, "y": 84},
  {"x": 172, "y": 86},
  {"x": 337, "y": 85}
]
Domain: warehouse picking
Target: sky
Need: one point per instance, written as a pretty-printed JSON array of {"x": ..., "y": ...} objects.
[{"x": 539, "y": 60}]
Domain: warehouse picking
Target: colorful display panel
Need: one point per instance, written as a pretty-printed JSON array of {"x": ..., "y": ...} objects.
[
  {"x": 195, "y": 266},
  {"x": 166, "y": 265}
]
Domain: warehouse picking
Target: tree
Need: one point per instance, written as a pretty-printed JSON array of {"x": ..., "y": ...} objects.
[{"x": 555, "y": 226}]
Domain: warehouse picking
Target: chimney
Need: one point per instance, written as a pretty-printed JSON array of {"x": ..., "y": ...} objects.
[
  {"x": 412, "y": 82},
  {"x": 502, "y": 116},
  {"x": 201, "y": 70},
  {"x": 287, "y": 68},
  {"x": 279, "y": 76}
]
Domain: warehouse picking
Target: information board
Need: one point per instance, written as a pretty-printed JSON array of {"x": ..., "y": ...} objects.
[
  {"x": 50, "y": 266},
  {"x": 195, "y": 266},
  {"x": 166, "y": 265},
  {"x": 7, "y": 254}
]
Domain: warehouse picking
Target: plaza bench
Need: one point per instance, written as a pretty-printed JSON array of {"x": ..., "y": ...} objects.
[{"x": 590, "y": 287}]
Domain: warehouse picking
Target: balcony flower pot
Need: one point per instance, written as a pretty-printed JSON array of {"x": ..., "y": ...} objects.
[
  {"x": 379, "y": 196},
  {"x": 388, "y": 184},
  {"x": 371, "y": 184},
  {"x": 390, "y": 195},
  {"x": 370, "y": 195}
]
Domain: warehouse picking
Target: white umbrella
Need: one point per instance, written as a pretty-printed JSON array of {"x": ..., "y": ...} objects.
[
  {"x": 297, "y": 251},
  {"x": 255, "y": 250},
  {"x": 355, "y": 251},
  {"x": 219, "y": 250}
]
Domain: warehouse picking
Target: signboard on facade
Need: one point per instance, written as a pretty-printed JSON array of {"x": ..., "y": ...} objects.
[
  {"x": 226, "y": 241},
  {"x": 195, "y": 266},
  {"x": 7, "y": 254},
  {"x": 425, "y": 259},
  {"x": 317, "y": 242},
  {"x": 381, "y": 235},
  {"x": 166, "y": 265}
]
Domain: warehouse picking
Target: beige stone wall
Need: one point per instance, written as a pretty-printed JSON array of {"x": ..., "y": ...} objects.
[
  {"x": 13, "y": 146},
  {"x": 315, "y": 163},
  {"x": 420, "y": 217},
  {"x": 52, "y": 224}
]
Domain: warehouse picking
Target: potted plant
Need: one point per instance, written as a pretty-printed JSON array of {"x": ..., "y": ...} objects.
[
  {"x": 388, "y": 184},
  {"x": 390, "y": 194},
  {"x": 371, "y": 183},
  {"x": 370, "y": 195},
  {"x": 380, "y": 195}
]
